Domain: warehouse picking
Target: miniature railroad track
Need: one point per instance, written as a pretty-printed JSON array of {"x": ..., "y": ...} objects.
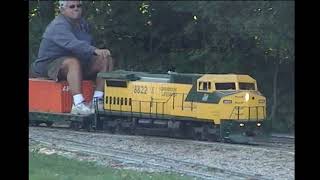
[
  {"x": 192, "y": 169},
  {"x": 282, "y": 139},
  {"x": 276, "y": 142},
  {"x": 273, "y": 143}
]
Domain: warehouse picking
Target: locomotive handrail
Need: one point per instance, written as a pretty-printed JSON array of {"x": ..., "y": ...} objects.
[
  {"x": 182, "y": 101},
  {"x": 150, "y": 102},
  {"x": 237, "y": 109},
  {"x": 140, "y": 102}
]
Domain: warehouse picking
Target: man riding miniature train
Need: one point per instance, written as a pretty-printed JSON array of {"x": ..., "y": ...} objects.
[{"x": 67, "y": 53}]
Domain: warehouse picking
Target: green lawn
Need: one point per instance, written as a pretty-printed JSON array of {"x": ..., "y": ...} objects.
[{"x": 54, "y": 167}]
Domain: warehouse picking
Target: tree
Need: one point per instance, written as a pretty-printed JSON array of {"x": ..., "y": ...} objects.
[
  {"x": 273, "y": 29},
  {"x": 47, "y": 12}
]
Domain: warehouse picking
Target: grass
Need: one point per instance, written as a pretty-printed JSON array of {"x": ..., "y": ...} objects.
[{"x": 54, "y": 167}]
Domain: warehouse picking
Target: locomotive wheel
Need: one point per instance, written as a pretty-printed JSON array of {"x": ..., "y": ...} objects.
[
  {"x": 88, "y": 126},
  {"x": 34, "y": 123},
  {"x": 213, "y": 138},
  {"x": 132, "y": 130},
  {"x": 75, "y": 125},
  {"x": 196, "y": 135},
  {"x": 49, "y": 124},
  {"x": 173, "y": 133},
  {"x": 117, "y": 129},
  {"x": 111, "y": 129},
  {"x": 205, "y": 134}
]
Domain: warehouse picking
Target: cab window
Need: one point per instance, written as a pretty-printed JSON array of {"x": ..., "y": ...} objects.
[
  {"x": 204, "y": 86},
  {"x": 246, "y": 86},
  {"x": 225, "y": 86}
]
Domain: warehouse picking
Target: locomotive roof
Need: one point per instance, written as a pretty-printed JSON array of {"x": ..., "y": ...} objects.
[
  {"x": 130, "y": 75},
  {"x": 184, "y": 78},
  {"x": 226, "y": 78}
]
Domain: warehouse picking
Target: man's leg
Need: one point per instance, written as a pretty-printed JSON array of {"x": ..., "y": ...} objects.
[
  {"x": 70, "y": 70},
  {"x": 100, "y": 64}
]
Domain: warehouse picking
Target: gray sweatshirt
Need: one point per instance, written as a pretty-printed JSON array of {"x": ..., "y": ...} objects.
[{"x": 62, "y": 38}]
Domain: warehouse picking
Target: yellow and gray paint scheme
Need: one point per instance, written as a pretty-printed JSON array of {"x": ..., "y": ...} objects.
[{"x": 198, "y": 97}]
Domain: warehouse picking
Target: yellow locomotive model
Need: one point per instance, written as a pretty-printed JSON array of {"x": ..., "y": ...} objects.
[{"x": 202, "y": 106}]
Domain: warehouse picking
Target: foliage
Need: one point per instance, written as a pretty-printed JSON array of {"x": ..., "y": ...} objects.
[{"x": 249, "y": 37}]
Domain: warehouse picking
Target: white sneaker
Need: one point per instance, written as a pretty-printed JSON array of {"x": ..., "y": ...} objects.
[
  {"x": 100, "y": 104},
  {"x": 81, "y": 109}
]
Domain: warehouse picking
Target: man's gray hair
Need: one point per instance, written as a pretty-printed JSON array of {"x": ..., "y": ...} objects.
[{"x": 63, "y": 4}]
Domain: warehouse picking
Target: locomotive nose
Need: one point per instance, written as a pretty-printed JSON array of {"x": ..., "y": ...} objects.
[
  {"x": 256, "y": 104},
  {"x": 253, "y": 99}
]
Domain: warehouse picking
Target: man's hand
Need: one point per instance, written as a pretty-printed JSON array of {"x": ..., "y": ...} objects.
[{"x": 103, "y": 52}]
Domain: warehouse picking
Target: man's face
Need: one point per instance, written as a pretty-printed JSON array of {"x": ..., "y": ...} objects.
[{"x": 72, "y": 10}]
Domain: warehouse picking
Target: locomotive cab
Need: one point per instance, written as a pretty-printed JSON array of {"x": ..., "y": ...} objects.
[
  {"x": 245, "y": 108},
  {"x": 238, "y": 106}
]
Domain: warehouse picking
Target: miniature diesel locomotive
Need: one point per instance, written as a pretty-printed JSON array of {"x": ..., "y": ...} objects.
[{"x": 223, "y": 107}]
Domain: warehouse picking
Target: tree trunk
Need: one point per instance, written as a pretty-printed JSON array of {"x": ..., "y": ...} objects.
[
  {"x": 150, "y": 42},
  {"x": 151, "y": 33},
  {"x": 275, "y": 80},
  {"x": 46, "y": 11},
  {"x": 203, "y": 36}
]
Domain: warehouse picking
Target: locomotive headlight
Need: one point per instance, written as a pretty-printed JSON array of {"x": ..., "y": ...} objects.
[
  {"x": 241, "y": 124},
  {"x": 258, "y": 124},
  {"x": 227, "y": 101},
  {"x": 246, "y": 97}
]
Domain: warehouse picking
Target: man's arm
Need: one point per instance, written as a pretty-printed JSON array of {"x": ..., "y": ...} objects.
[{"x": 62, "y": 35}]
